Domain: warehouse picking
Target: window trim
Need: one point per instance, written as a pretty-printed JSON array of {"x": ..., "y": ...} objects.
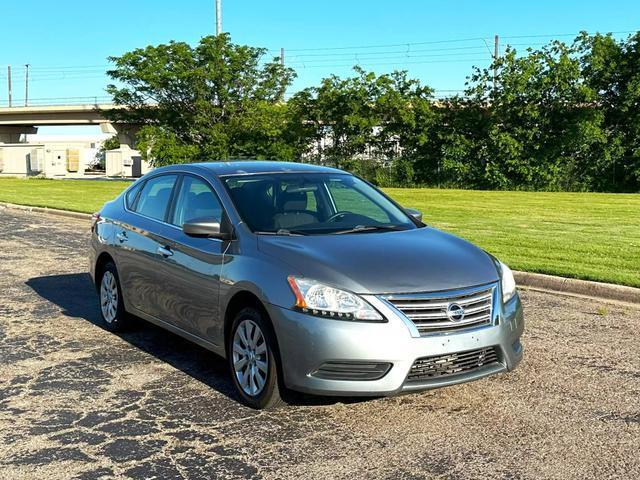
[
  {"x": 133, "y": 186},
  {"x": 179, "y": 174},
  {"x": 161, "y": 174}
]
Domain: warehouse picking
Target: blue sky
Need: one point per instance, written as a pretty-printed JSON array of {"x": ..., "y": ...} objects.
[{"x": 67, "y": 41}]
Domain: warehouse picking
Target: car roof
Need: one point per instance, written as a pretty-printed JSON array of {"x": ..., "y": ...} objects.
[{"x": 250, "y": 167}]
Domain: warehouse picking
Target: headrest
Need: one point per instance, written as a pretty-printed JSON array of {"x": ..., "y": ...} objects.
[
  {"x": 294, "y": 201},
  {"x": 203, "y": 200}
]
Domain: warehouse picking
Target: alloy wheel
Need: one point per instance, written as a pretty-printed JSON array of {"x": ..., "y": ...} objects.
[
  {"x": 109, "y": 297},
  {"x": 250, "y": 357}
]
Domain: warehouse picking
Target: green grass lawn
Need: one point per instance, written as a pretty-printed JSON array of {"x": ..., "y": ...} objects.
[
  {"x": 76, "y": 195},
  {"x": 593, "y": 236}
]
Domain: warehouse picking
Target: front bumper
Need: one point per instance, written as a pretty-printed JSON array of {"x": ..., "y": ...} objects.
[{"x": 307, "y": 342}]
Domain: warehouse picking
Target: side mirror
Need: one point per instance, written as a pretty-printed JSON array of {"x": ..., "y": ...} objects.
[
  {"x": 417, "y": 214},
  {"x": 207, "y": 227}
]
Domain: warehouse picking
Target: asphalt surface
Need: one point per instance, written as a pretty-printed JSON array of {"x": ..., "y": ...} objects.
[{"x": 79, "y": 402}]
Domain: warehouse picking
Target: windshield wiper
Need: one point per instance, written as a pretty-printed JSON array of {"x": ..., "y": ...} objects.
[
  {"x": 370, "y": 228},
  {"x": 285, "y": 232}
]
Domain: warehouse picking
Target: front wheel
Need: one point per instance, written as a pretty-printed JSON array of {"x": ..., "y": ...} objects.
[{"x": 252, "y": 360}]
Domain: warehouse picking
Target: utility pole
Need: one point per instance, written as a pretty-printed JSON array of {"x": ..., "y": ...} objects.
[
  {"x": 496, "y": 54},
  {"x": 282, "y": 65},
  {"x": 9, "y": 83},
  {"x": 218, "y": 17},
  {"x": 26, "y": 85}
]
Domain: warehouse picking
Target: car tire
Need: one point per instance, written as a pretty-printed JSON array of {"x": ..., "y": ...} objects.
[
  {"x": 114, "y": 316},
  {"x": 253, "y": 360}
]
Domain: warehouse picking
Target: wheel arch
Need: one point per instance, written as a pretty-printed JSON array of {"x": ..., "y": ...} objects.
[
  {"x": 243, "y": 299},
  {"x": 101, "y": 262}
]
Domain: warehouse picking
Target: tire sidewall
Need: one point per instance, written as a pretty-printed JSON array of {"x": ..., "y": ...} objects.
[
  {"x": 120, "y": 321},
  {"x": 270, "y": 393}
]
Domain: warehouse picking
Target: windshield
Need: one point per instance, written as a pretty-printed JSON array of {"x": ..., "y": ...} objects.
[{"x": 313, "y": 204}]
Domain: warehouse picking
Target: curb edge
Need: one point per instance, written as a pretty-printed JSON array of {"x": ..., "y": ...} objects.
[
  {"x": 50, "y": 211},
  {"x": 599, "y": 290}
]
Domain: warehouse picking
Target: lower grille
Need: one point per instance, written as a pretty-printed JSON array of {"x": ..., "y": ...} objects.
[
  {"x": 439, "y": 366},
  {"x": 352, "y": 370}
]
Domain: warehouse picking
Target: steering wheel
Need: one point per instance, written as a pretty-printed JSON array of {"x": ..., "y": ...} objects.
[{"x": 337, "y": 216}]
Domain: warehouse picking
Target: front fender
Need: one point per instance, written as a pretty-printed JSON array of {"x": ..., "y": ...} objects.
[{"x": 267, "y": 280}]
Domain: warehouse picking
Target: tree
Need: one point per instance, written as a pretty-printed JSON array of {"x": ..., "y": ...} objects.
[
  {"x": 612, "y": 68},
  {"x": 111, "y": 143},
  {"x": 347, "y": 121},
  {"x": 535, "y": 126},
  {"x": 214, "y": 101}
]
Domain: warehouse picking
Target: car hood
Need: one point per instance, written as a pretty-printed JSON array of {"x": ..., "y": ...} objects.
[{"x": 419, "y": 260}]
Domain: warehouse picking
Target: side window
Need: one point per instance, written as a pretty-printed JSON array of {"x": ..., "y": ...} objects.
[
  {"x": 132, "y": 194},
  {"x": 195, "y": 200},
  {"x": 155, "y": 195}
]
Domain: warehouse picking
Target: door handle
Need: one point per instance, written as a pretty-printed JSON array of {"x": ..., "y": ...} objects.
[
  {"x": 165, "y": 251},
  {"x": 122, "y": 236}
]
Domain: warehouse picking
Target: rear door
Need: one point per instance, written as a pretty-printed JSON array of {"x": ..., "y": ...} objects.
[
  {"x": 143, "y": 244},
  {"x": 194, "y": 268}
]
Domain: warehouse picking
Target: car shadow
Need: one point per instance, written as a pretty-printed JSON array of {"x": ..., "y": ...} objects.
[{"x": 75, "y": 294}]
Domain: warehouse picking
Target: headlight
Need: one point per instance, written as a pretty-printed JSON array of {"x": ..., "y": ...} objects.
[
  {"x": 322, "y": 300},
  {"x": 508, "y": 283}
]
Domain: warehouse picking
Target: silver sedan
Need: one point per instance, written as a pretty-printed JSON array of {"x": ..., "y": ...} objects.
[{"x": 305, "y": 278}]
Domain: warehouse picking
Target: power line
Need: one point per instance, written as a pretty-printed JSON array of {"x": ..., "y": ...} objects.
[
  {"x": 403, "y": 55},
  {"x": 341, "y": 54},
  {"x": 567, "y": 34},
  {"x": 455, "y": 40},
  {"x": 383, "y": 45},
  {"x": 351, "y": 64},
  {"x": 63, "y": 67},
  {"x": 49, "y": 71},
  {"x": 447, "y": 51}
]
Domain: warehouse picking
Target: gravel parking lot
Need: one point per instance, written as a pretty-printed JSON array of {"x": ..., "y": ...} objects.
[{"x": 79, "y": 402}]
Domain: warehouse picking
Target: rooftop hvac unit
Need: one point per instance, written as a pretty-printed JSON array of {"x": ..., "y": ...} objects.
[
  {"x": 36, "y": 160},
  {"x": 73, "y": 159}
]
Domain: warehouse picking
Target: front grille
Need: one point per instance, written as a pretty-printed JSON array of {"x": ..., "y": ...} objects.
[
  {"x": 428, "y": 311},
  {"x": 426, "y": 368}
]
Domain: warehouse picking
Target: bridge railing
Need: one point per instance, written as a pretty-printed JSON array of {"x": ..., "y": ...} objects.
[{"x": 58, "y": 101}]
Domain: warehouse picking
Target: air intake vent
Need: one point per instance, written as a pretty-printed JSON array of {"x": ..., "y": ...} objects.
[{"x": 427, "y": 368}]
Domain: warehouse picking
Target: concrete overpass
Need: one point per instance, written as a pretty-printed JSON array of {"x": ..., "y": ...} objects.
[{"x": 16, "y": 121}]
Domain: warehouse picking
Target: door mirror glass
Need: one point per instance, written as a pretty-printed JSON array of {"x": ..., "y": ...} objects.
[
  {"x": 417, "y": 214},
  {"x": 208, "y": 227}
]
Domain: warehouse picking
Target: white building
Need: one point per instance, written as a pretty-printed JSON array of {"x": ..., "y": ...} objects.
[
  {"x": 51, "y": 155},
  {"x": 23, "y": 152}
]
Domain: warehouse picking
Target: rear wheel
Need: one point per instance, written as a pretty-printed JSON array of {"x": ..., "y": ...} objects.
[
  {"x": 111, "y": 302},
  {"x": 252, "y": 360}
]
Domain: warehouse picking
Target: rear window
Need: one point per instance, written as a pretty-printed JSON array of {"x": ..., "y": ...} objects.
[{"x": 155, "y": 195}]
